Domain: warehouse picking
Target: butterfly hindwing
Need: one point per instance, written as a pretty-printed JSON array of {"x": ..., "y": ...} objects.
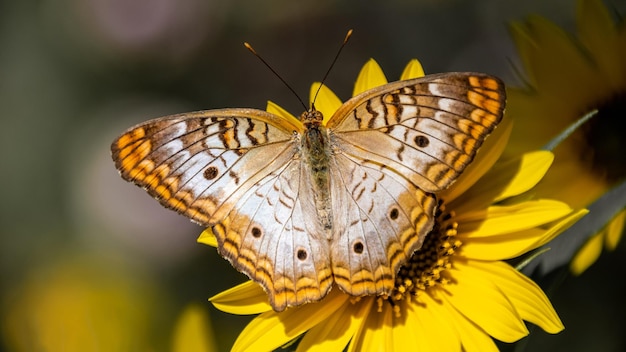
[
  {"x": 382, "y": 218},
  {"x": 269, "y": 235}
]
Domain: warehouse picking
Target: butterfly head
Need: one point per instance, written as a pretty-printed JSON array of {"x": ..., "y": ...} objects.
[{"x": 312, "y": 117}]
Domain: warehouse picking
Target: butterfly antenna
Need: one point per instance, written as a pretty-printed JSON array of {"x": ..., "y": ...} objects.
[
  {"x": 345, "y": 41},
  {"x": 249, "y": 47}
]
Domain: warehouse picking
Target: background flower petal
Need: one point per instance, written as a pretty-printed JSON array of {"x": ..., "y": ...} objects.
[
  {"x": 193, "y": 331},
  {"x": 615, "y": 230},
  {"x": 588, "y": 254},
  {"x": 598, "y": 34},
  {"x": 545, "y": 59}
]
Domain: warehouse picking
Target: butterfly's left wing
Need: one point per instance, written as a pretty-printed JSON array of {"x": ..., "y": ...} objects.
[
  {"x": 236, "y": 171},
  {"x": 200, "y": 163},
  {"x": 395, "y": 145}
]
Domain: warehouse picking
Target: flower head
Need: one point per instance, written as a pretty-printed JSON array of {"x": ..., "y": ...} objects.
[
  {"x": 456, "y": 290},
  {"x": 567, "y": 78}
]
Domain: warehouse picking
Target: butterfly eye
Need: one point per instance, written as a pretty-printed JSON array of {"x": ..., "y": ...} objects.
[
  {"x": 301, "y": 254},
  {"x": 421, "y": 141},
  {"x": 256, "y": 232},
  {"x": 358, "y": 247},
  {"x": 211, "y": 172}
]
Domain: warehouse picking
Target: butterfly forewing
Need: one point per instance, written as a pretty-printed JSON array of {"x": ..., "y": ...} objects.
[
  {"x": 196, "y": 163},
  {"x": 431, "y": 127}
]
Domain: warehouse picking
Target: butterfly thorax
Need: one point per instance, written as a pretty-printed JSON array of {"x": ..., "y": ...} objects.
[{"x": 316, "y": 157}]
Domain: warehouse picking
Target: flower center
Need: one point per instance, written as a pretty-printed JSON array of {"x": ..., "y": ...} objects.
[
  {"x": 425, "y": 267},
  {"x": 605, "y": 135}
]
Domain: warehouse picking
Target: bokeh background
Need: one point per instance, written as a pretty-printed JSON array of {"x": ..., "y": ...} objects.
[{"x": 91, "y": 262}]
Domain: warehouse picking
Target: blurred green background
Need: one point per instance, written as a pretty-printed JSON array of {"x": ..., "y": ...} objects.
[{"x": 80, "y": 247}]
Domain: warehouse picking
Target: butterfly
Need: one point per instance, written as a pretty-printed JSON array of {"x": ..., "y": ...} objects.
[{"x": 300, "y": 206}]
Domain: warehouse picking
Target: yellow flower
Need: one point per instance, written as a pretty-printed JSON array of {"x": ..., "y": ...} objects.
[
  {"x": 567, "y": 78},
  {"x": 80, "y": 303},
  {"x": 193, "y": 332},
  {"x": 455, "y": 292}
]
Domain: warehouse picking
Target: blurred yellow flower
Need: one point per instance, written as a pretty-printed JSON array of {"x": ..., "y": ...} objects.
[
  {"x": 79, "y": 304},
  {"x": 455, "y": 292},
  {"x": 567, "y": 78},
  {"x": 193, "y": 332}
]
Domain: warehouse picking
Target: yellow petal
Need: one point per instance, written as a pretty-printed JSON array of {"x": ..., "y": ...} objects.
[
  {"x": 335, "y": 333},
  {"x": 514, "y": 244},
  {"x": 326, "y": 102},
  {"x": 495, "y": 314},
  {"x": 598, "y": 34},
  {"x": 552, "y": 44},
  {"x": 524, "y": 43},
  {"x": 532, "y": 167},
  {"x": 371, "y": 76},
  {"x": 507, "y": 179},
  {"x": 614, "y": 230},
  {"x": 503, "y": 219},
  {"x": 278, "y": 110},
  {"x": 434, "y": 328},
  {"x": 527, "y": 298},
  {"x": 412, "y": 70},
  {"x": 207, "y": 237},
  {"x": 376, "y": 331},
  {"x": 193, "y": 331},
  {"x": 80, "y": 302},
  {"x": 473, "y": 338},
  {"x": 487, "y": 155},
  {"x": 559, "y": 226},
  {"x": 382, "y": 335},
  {"x": 500, "y": 247},
  {"x": 587, "y": 255},
  {"x": 271, "y": 330},
  {"x": 407, "y": 332},
  {"x": 559, "y": 183},
  {"x": 246, "y": 298}
]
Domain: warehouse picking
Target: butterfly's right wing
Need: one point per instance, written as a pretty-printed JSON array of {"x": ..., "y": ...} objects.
[
  {"x": 238, "y": 172},
  {"x": 396, "y": 146},
  {"x": 428, "y": 129}
]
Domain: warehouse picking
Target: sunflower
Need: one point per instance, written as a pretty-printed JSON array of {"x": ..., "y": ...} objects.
[
  {"x": 456, "y": 291},
  {"x": 568, "y": 77}
]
